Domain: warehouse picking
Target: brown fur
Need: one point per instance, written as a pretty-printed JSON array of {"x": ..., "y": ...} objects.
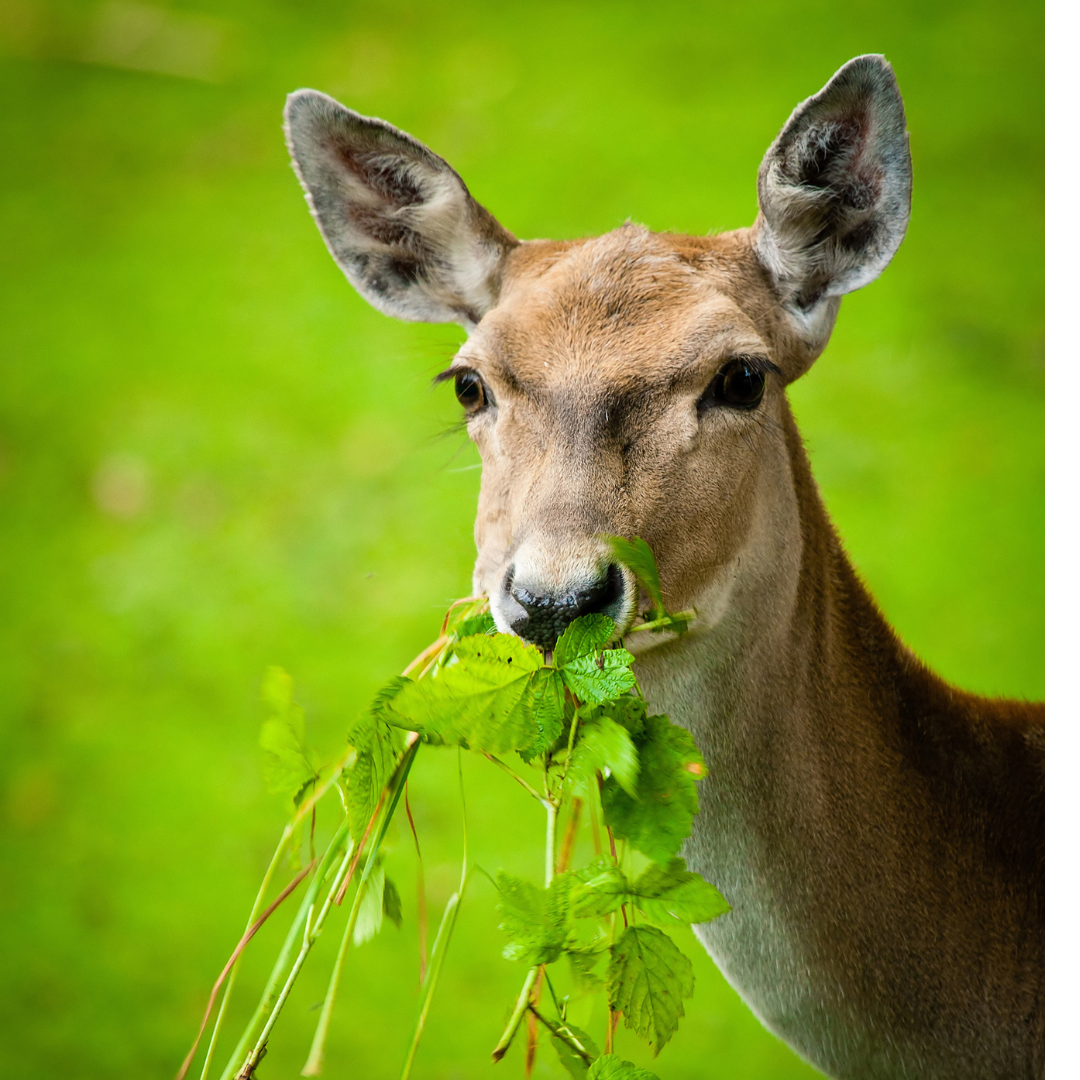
[{"x": 930, "y": 825}]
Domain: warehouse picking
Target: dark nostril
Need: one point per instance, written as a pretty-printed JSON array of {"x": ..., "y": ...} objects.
[{"x": 547, "y": 615}]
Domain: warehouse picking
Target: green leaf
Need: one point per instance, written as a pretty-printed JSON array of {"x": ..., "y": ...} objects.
[
  {"x": 573, "y": 1064},
  {"x": 570, "y": 1058},
  {"x": 609, "y": 1067},
  {"x": 478, "y": 624},
  {"x": 585, "y": 636},
  {"x": 377, "y": 748},
  {"x": 369, "y": 917},
  {"x": 602, "y": 744},
  {"x": 637, "y": 557},
  {"x": 660, "y": 818},
  {"x": 391, "y": 903},
  {"x": 582, "y": 962},
  {"x": 648, "y": 980},
  {"x": 628, "y": 710},
  {"x": 498, "y": 696},
  {"x": 598, "y": 889},
  {"x": 536, "y": 920},
  {"x": 547, "y": 706},
  {"x": 673, "y": 894},
  {"x": 287, "y": 764},
  {"x": 600, "y": 676},
  {"x": 468, "y": 618},
  {"x": 384, "y": 696}
]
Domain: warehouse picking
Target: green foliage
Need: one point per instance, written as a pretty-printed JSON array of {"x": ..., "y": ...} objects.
[
  {"x": 637, "y": 557},
  {"x": 287, "y": 762},
  {"x": 568, "y": 1054},
  {"x": 599, "y": 889},
  {"x": 377, "y": 747},
  {"x": 392, "y": 903},
  {"x": 609, "y": 1067},
  {"x": 603, "y": 744},
  {"x": 477, "y": 624},
  {"x": 591, "y": 672},
  {"x": 369, "y": 916},
  {"x": 648, "y": 979},
  {"x": 665, "y": 894},
  {"x": 498, "y": 697},
  {"x": 536, "y": 920},
  {"x": 629, "y": 711},
  {"x": 579, "y": 719},
  {"x": 673, "y": 894},
  {"x": 600, "y": 676},
  {"x": 583, "y": 637},
  {"x": 583, "y": 963},
  {"x": 660, "y": 817}
]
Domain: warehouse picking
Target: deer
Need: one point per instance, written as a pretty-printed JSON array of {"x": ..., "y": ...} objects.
[{"x": 877, "y": 832}]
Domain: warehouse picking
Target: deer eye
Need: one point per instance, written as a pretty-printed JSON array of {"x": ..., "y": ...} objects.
[
  {"x": 739, "y": 383},
  {"x": 470, "y": 391}
]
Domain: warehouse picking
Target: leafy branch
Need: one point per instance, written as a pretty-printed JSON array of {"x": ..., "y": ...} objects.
[{"x": 576, "y": 720}]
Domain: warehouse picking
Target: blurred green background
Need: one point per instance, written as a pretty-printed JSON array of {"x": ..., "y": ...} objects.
[{"x": 214, "y": 456}]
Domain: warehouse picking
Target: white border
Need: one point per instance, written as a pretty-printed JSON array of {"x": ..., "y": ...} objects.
[{"x": 1062, "y": 497}]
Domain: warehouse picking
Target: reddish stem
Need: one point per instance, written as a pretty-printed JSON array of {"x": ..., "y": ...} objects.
[
  {"x": 340, "y": 894},
  {"x": 248, "y": 935}
]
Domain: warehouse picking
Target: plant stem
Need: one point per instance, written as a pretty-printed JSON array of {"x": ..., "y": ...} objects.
[
  {"x": 480, "y": 603},
  {"x": 569, "y": 750},
  {"x": 515, "y": 1017},
  {"x": 446, "y": 928},
  {"x": 612, "y": 1024},
  {"x": 566, "y": 849},
  {"x": 308, "y": 804},
  {"x": 559, "y": 1009},
  {"x": 531, "y": 1033},
  {"x": 339, "y": 896},
  {"x": 518, "y": 777},
  {"x": 236, "y": 954},
  {"x": 313, "y": 1066},
  {"x": 302, "y": 811},
  {"x": 314, "y": 1063},
  {"x": 560, "y": 1031},
  {"x": 421, "y": 892},
  {"x": 595, "y": 815},
  {"x": 275, "y": 861},
  {"x": 278, "y": 971},
  {"x": 427, "y": 654},
  {"x": 438, "y": 952},
  {"x": 549, "y": 845},
  {"x": 311, "y": 932},
  {"x": 663, "y": 621}
]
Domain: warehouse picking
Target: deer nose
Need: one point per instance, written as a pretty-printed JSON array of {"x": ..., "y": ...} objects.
[{"x": 547, "y": 615}]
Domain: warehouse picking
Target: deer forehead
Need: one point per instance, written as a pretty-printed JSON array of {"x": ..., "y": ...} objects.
[{"x": 628, "y": 313}]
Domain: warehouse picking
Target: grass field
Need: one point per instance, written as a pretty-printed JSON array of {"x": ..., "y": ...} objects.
[{"x": 214, "y": 456}]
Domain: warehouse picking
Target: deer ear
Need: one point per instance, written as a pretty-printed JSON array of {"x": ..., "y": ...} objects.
[
  {"x": 398, "y": 220},
  {"x": 835, "y": 191}
]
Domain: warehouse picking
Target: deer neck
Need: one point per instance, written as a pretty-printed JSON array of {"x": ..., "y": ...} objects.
[{"x": 779, "y": 658}]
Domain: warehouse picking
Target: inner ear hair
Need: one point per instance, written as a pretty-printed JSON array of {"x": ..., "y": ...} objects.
[
  {"x": 398, "y": 220},
  {"x": 834, "y": 188}
]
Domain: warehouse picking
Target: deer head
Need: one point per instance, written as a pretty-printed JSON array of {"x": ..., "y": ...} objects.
[{"x": 632, "y": 383}]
